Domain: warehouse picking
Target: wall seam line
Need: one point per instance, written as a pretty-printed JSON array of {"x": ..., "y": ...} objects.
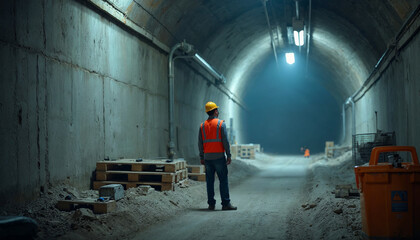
[
  {"x": 103, "y": 114},
  {"x": 38, "y": 146},
  {"x": 47, "y": 160}
]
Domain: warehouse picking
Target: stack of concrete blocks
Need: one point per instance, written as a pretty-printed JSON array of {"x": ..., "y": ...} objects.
[
  {"x": 245, "y": 151},
  {"x": 329, "y": 149}
]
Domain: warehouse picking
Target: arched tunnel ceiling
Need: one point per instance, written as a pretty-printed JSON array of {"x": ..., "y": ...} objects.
[{"x": 347, "y": 37}]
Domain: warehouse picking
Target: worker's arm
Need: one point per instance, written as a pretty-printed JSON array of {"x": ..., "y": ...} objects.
[
  {"x": 225, "y": 142},
  {"x": 200, "y": 146}
]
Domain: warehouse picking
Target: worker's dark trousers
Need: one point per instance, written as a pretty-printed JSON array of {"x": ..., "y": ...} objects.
[{"x": 217, "y": 166}]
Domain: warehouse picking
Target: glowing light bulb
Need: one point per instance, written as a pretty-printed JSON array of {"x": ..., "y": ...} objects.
[
  {"x": 290, "y": 58},
  {"x": 298, "y": 37}
]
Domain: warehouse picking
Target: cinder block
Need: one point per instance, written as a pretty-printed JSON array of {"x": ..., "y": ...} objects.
[{"x": 113, "y": 191}]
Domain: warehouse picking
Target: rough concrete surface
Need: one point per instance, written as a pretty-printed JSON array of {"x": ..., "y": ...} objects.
[
  {"x": 395, "y": 94},
  {"x": 395, "y": 98}
]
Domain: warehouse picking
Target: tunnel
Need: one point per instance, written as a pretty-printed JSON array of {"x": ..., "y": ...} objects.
[{"x": 88, "y": 80}]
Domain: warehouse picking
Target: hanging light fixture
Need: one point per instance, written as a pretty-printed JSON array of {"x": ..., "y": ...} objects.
[
  {"x": 290, "y": 58},
  {"x": 298, "y": 32},
  {"x": 298, "y": 37}
]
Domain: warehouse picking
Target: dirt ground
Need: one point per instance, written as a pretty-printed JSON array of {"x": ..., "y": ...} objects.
[
  {"x": 315, "y": 208},
  {"x": 322, "y": 215}
]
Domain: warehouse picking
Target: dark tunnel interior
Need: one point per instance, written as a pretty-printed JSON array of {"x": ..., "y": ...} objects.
[{"x": 289, "y": 108}]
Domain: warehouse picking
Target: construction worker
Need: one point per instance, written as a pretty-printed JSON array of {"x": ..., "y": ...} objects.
[
  {"x": 307, "y": 154},
  {"x": 212, "y": 144}
]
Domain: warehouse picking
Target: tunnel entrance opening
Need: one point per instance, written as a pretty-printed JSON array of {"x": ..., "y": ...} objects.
[{"x": 288, "y": 110}]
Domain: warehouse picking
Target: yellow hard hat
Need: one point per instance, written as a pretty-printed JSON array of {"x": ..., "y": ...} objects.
[{"x": 210, "y": 106}]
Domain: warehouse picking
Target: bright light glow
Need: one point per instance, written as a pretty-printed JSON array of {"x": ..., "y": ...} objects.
[
  {"x": 290, "y": 58},
  {"x": 296, "y": 37},
  {"x": 299, "y": 40}
]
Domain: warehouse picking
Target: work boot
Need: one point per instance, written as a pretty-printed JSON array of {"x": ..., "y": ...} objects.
[
  {"x": 229, "y": 207},
  {"x": 212, "y": 207}
]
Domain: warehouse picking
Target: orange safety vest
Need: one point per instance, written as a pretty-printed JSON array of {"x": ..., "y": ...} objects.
[{"x": 211, "y": 132}]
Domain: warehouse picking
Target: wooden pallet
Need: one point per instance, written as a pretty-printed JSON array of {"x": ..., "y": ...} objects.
[
  {"x": 195, "y": 168},
  {"x": 181, "y": 175},
  {"x": 197, "y": 176},
  {"x": 162, "y": 186},
  {"x": 143, "y": 166},
  {"x": 133, "y": 176},
  {"x": 97, "y": 207}
]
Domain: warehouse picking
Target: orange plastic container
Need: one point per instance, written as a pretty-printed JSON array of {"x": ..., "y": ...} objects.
[{"x": 390, "y": 196}]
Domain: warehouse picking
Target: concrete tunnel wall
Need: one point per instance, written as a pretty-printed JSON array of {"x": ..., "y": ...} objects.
[
  {"x": 395, "y": 95},
  {"x": 396, "y": 98},
  {"x": 77, "y": 87}
]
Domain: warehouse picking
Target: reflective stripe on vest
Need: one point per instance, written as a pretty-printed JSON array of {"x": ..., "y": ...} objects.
[{"x": 212, "y": 136}]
